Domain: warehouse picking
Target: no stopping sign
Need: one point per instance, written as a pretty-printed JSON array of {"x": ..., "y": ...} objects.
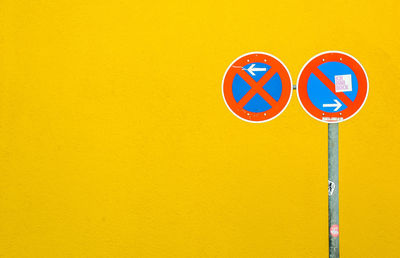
[{"x": 257, "y": 87}]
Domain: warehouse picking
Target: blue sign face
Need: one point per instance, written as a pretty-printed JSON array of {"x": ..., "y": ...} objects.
[
  {"x": 322, "y": 97},
  {"x": 332, "y": 87},
  {"x": 257, "y": 103}
]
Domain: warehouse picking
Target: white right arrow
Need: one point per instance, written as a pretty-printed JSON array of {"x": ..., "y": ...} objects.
[{"x": 337, "y": 105}]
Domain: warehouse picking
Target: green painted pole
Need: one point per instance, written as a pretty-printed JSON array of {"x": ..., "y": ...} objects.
[{"x": 333, "y": 189}]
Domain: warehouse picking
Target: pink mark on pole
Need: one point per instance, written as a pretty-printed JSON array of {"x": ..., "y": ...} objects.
[{"x": 334, "y": 230}]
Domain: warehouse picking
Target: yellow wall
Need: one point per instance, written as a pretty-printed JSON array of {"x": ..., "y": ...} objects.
[{"x": 115, "y": 140}]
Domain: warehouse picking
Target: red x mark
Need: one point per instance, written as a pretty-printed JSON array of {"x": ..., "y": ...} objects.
[{"x": 256, "y": 87}]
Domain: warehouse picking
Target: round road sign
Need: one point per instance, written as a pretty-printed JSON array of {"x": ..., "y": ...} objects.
[
  {"x": 257, "y": 87},
  {"x": 332, "y": 87}
]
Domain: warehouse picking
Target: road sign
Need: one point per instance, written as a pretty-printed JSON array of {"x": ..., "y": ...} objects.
[
  {"x": 332, "y": 87},
  {"x": 257, "y": 87}
]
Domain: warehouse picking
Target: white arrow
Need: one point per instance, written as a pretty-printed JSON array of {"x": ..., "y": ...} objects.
[
  {"x": 337, "y": 105},
  {"x": 253, "y": 69}
]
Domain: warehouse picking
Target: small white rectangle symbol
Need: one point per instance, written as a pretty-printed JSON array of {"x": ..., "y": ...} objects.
[{"x": 343, "y": 83}]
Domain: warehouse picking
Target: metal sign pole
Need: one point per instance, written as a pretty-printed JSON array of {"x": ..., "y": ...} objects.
[{"x": 333, "y": 189}]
